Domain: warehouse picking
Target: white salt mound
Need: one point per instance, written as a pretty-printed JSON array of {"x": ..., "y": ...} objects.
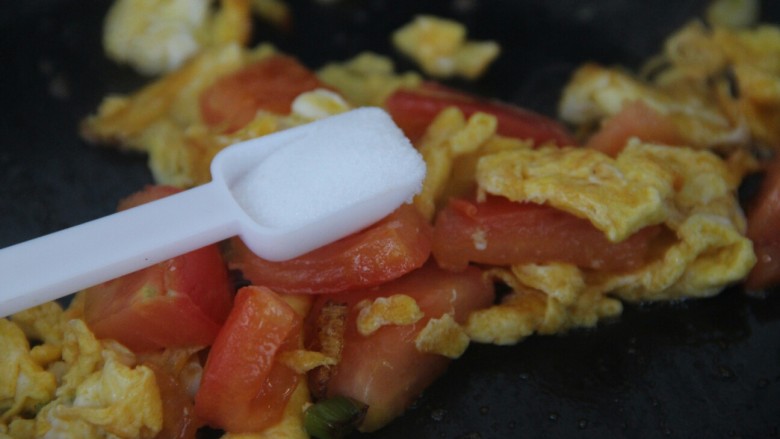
[{"x": 353, "y": 157}]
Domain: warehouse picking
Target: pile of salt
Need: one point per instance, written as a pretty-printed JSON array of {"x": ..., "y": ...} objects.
[{"x": 354, "y": 159}]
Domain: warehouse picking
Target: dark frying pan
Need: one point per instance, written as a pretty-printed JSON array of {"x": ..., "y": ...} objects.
[{"x": 700, "y": 369}]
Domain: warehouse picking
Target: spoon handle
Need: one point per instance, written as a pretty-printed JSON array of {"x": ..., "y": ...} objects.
[{"x": 70, "y": 260}]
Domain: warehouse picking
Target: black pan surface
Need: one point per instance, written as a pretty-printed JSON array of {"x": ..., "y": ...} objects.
[{"x": 699, "y": 369}]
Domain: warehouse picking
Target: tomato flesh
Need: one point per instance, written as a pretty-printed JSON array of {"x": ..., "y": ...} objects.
[
  {"x": 635, "y": 119},
  {"x": 384, "y": 369},
  {"x": 270, "y": 84},
  {"x": 414, "y": 109},
  {"x": 386, "y": 250},
  {"x": 244, "y": 389},
  {"x": 764, "y": 230},
  {"x": 178, "y": 408},
  {"x": 180, "y": 302},
  {"x": 501, "y": 232}
]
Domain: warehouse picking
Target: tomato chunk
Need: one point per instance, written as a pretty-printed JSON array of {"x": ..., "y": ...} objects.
[
  {"x": 764, "y": 230},
  {"x": 270, "y": 84},
  {"x": 177, "y": 303},
  {"x": 244, "y": 388},
  {"x": 635, "y": 119},
  {"x": 385, "y": 369},
  {"x": 414, "y": 109},
  {"x": 501, "y": 232},
  {"x": 386, "y": 250}
]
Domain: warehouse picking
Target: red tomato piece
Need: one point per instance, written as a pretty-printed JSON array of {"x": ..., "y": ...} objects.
[
  {"x": 635, "y": 119},
  {"x": 501, "y": 232},
  {"x": 270, "y": 84},
  {"x": 244, "y": 389},
  {"x": 384, "y": 369},
  {"x": 386, "y": 250},
  {"x": 178, "y": 408},
  {"x": 414, "y": 109},
  {"x": 764, "y": 230},
  {"x": 177, "y": 303}
]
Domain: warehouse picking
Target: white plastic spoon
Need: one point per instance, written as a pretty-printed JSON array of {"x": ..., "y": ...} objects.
[{"x": 284, "y": 194}]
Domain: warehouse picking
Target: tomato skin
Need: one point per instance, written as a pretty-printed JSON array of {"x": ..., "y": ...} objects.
[
  {"x": 384, "y": 369},
  {"x": 414, "y": 109},
  {"x": 763, "y": 219},
  {"x": 244, "y": 389},
  {"x": 180, "y": 302},
  {"x": 386, "y": 250},
  {"x": 501, "y": 232},
  {"x": 270, "y": 84},
  {"x": 635, "y": 119}
]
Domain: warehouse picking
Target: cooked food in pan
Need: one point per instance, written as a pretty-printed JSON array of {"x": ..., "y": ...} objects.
[{"x": 525, "y": 225}]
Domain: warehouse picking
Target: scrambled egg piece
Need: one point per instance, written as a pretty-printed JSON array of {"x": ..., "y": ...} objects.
[
  {"x": 440, "y": 47},
  {"x": 448, "y": 137},
  {"x": 367, "y": 79},
  {"x": 690, "y": 192},
  {"x": 41, "y": 322},
  {"x": 71, "y": 385},
  {"x": 24, "y": 384},
  {"x": 545, "y": 299},
  {"x": 158, "y": 36},
  {"x": 442, "y": 336},
  {"x": 398, "y": 309},
  {"x": 118, "y": 400},
  {"x": 719, "y": 85},
  {"x": 303, "y": 361},
  {"x": 595, "y": 93},
  {"x": 451, "y": 148},
  {"x": 641, "y": 187}
]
